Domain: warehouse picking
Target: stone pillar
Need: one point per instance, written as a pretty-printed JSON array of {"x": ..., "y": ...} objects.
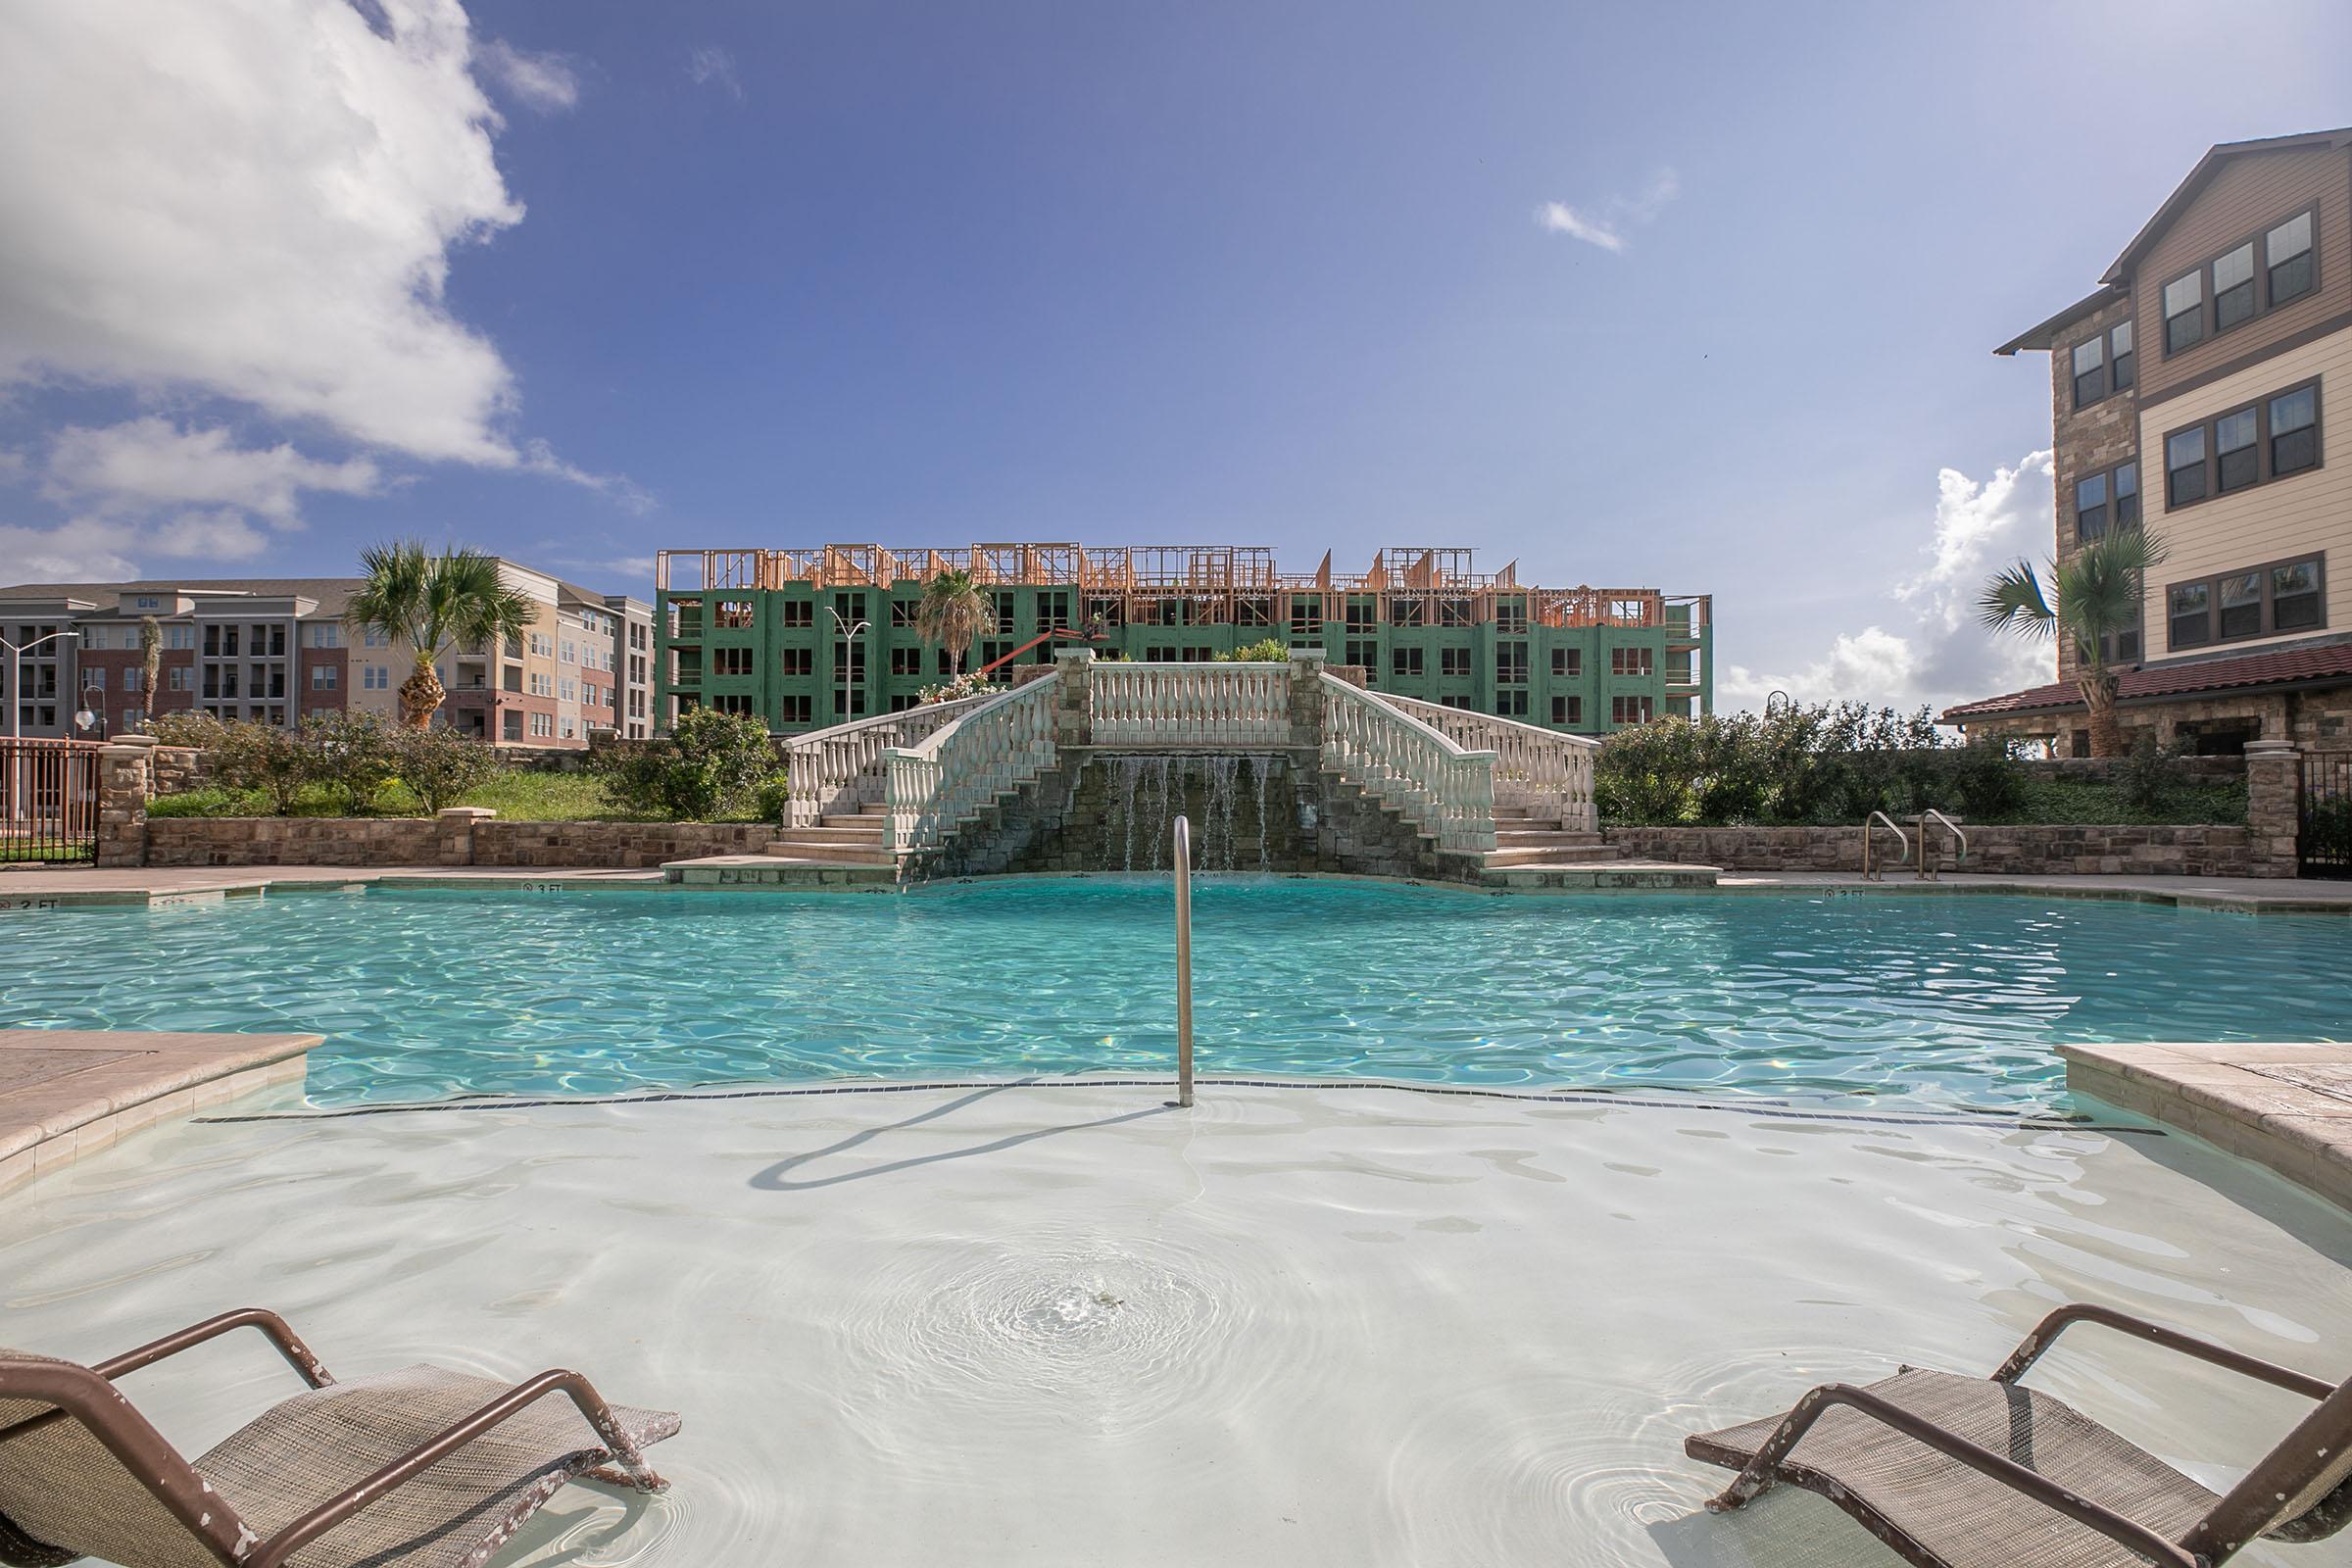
[
  {"x": 1306, "y": 697},
  {"x": 125, "y": 775},
  {"x": 452, "y": 826},
  {"x": 1073, "y": 715},
  {"x": 2273, "y": 806}
]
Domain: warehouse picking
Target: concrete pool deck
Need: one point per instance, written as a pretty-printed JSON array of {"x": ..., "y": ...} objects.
[
  {"x": 1068, "y": 1325},
  {"x": 2284, "y": 1106},
  {"x": 69, "y": 1093},
  {"x": 69, "y": 886}
]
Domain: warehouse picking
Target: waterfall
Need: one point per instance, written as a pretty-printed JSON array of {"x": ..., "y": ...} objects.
[
  {"x": 1260, "y": 772},
  {"x": 1147, "y": 789}
]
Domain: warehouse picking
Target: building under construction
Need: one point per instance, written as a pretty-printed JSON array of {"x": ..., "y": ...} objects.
[{"x": 808, "y": 638}]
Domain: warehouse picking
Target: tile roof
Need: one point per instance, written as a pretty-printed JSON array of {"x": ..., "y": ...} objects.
[{"x": 2328, "y": 662}]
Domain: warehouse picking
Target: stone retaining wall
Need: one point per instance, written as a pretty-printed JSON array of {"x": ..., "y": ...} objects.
[
  {"x": 2011, "y": 850},
  {"x": 632, "y": 845},
  {"x": 454, "y": 839}
]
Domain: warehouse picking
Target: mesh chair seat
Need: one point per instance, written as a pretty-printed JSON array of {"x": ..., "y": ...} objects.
[
  {"x": 453, "y": 1515},
  {"x": 1941, "y": 1513}
]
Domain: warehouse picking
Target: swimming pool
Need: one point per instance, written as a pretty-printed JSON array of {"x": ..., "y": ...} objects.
[{"x": 1935, "y": 999}]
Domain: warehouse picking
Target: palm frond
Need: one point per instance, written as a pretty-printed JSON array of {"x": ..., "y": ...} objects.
[{"x": 2013, "y": 602}]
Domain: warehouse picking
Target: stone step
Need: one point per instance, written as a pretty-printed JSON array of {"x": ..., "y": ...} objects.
[
  {"x": 1508, "y": 837},
  {"x": 1551, "y": 854},
  {"x": 868, "y": 831},
  {"x": 862, "y": 821},
  {"x": 794, "y": 848}
]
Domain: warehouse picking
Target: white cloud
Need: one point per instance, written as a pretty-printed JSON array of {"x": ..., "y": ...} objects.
[
  {"x": 1938, "y": 655},
  {"x": 708, "y": 66},
  {"x": 151, "y": 462},
  {"x": 546, "y": 83},
  {"x": 77, "y": 552},
  {"x": 12, "y": 463},
  {"x": 1606, "y": 224},
  {"x": 223, "y": 534},
  {"x": 256, "y": 199}
]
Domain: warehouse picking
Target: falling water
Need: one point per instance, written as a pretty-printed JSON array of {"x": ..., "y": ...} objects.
[{"x": 1148, "y": 790}]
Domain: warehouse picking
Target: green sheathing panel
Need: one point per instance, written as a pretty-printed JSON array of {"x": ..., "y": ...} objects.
[{"x": 782, "y": 657}]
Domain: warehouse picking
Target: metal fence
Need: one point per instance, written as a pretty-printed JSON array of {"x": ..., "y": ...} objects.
[
  {"x": 48, "y": 800},
  {"x": 2323, "y": 833}
]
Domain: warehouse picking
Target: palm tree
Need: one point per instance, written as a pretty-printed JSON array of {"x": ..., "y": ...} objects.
[
  {"x": 951, "y": 614},
  {"x": 2098, "y": 593},
  {"x": 431, "y": 603},
  {"x": 150, "y": 665}
]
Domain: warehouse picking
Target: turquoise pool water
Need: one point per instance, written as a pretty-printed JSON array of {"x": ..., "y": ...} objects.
[{"x": 1935, "y": 999}]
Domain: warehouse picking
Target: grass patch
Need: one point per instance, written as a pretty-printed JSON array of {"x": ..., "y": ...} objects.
[{"x": 515, "y": 794}]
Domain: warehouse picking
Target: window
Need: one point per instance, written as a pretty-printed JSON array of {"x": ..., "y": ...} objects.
[
  {"x": 180, "y": 636},
  {"x": 1405, "y": 662},
  {"x": 1306, "y": 615},
  {"x": 1567, "y": 663},
  {"x": 724, "y": 701},
  {"x": 509, "y": 726},
  {"x": 735, "y": 615},
  {"x": 2286, "y": 257},
  {"x": 2237, "y": 461},
  {"x": 2184, "y": 312},
  {"x": 1629, "y": 709},
  {"x": 2258, "y": 602},
  {"x": 1567, "y": 710},
  {"x": 570, "y": 653},
  {"x": 2270, "y": 439},
  {"x": 2185, "y": 466},
  {"x": 543, "y": 725},
  {"x": 150, "y": 602},
  {"x": 1510, "y": 665},
  {"x": 798, "y": 661},
  {"x": 729, "y": 662},
  {"x": 2233, "y": 288},
  {"x": 1365, "y": 655},
  {"x": 93, "y": 680},
  {"x": 902, "y": 611},
  {"x": 907, "y": 662},
  {"x": 323, "y": 677},
  {"x": 1631, "y": 661},
  {"x": 1002, "y": 600},
  {"x": 2090, "y": 372},
  {"x": 1510, "y": 616},
  {"x": 1511, "y": 704},
  {"x": 326, "y": 634},
  {"x": 800, "y": 709},
  {"x": 2295, "y": 431},
  {"x": 1362, "y": 615},
  {"x": 379, "y": 678},
  {"x": 1453, "y": 662},
  {"x": 1456, "y": 700},
  {"x": 797, "y": 613},
  {"x": 1407, "y": 609},
  {"x": 131, "y": 678},
  {"x": 2106, "y": 501},
  {"x": 2121, "y": 361},
  {"x": 180, "y": 681}
]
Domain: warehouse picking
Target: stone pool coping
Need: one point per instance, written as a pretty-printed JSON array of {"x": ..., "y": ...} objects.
[
  {"x": 2238, "y": 1097},
  {"x": 67, "y": 1093},
  {"x": 158, "y": 886}
]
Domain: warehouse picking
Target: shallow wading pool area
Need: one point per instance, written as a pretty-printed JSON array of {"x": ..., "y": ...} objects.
[{"x": 1518, "y": 1193}]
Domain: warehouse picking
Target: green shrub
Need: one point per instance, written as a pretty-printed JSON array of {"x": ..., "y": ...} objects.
[
  {"x": 709, "y": 763},
  {"x": 262, "y": 757},
  {"x": 772, "y": 798},
  {"x": 2150, "y": 774},
  {"x": 351, "y": 753},
  {"x": 1265, "y": 650},
  {"x": 2327, "y": 829},
  {"x": 440, "y": 766}
]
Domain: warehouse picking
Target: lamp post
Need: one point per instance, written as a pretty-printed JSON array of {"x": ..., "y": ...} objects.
[
  {"x": 849, "y": 634},
  {"x": 15, "y": 709}
]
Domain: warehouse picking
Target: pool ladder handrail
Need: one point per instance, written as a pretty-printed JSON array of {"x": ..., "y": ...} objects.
[
  {"x": 1929, "y": 868},
  {"x": 1181, "y": 858},
  {"x": 1869, "y": 825}
]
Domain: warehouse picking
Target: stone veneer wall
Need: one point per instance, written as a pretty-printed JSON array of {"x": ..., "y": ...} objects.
[
  {"x": 628, "y": 845},
  {"x": 2013, "y": 851},
  {"x": 456, "y": 838}
]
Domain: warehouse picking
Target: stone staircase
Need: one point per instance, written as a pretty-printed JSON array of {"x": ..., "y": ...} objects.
[
  {"x": 1522, "y": 842},
  {"x": 852, "y": 839}
]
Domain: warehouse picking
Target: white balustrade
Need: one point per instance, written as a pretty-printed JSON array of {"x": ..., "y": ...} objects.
[
  {"x": 1151, "y": 705},
  {"x": 958, "y": 770},
  {"x": 1547, "y": 772},
  {"x": 839, "y": 769},
  {"x": 1445, "y": 790}
]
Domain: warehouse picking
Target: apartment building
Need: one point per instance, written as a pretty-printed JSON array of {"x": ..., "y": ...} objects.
[
  {"x": 2190, "y": 393},
  {"x": 278, "y": 650},
  {"x": 808, "y": 638}
]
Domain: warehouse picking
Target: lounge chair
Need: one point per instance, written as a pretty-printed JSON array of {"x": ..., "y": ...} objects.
[
  {"x": 1957, "y": 1472},
  {"x": 423, "y": 1468}
]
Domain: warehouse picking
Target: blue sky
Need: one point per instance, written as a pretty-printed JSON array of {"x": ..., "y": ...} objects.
[{"x": 1685, "y": 296}]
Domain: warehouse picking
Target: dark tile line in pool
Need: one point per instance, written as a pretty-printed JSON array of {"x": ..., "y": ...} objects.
[{"x": 1770, "y": 1109}]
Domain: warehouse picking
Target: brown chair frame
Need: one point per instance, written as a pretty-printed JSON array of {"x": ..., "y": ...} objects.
[
  {"x": 88, "y": 1394},
  {"x": 2248, "y": 1510}
]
